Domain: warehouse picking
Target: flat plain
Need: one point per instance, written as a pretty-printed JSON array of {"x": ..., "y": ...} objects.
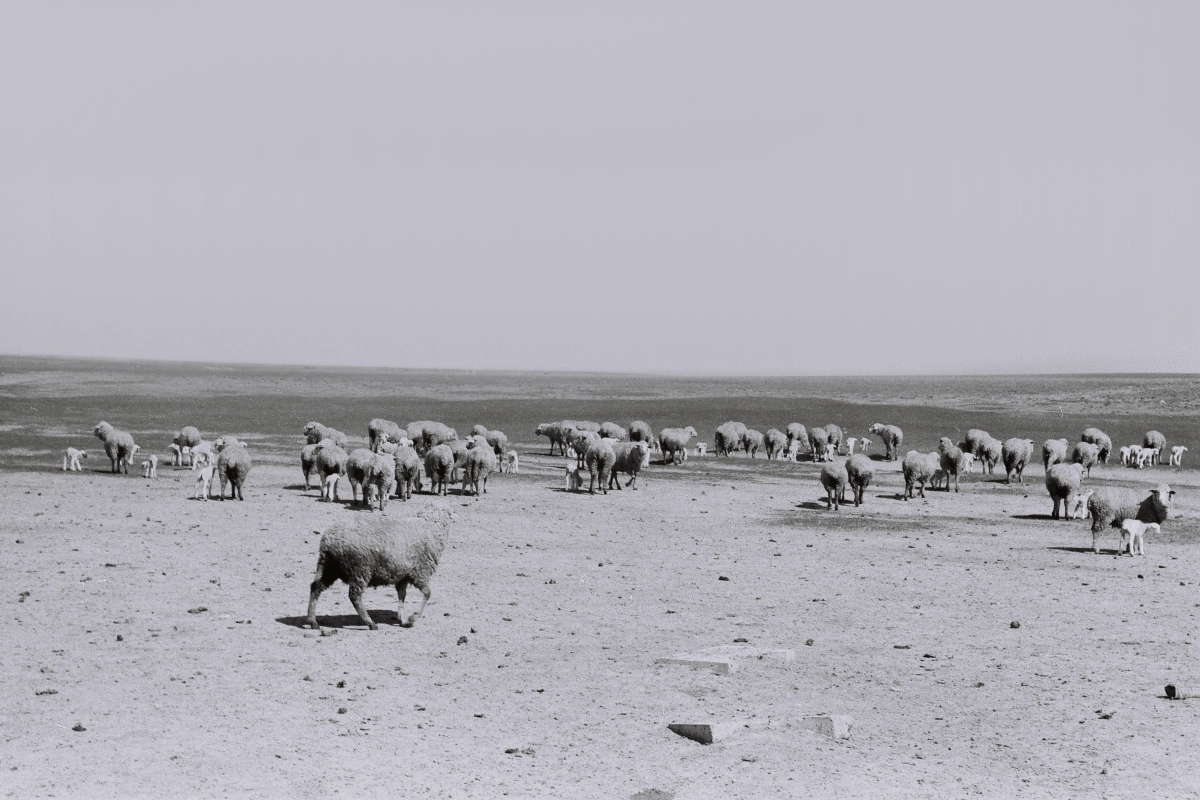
[{"x": 535, "y": 670}]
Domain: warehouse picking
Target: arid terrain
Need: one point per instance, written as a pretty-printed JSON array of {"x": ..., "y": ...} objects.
[{"x": 154, "y": 642}]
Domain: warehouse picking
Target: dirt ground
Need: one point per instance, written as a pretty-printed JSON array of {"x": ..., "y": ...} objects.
[{"x": 168, "y": 630}]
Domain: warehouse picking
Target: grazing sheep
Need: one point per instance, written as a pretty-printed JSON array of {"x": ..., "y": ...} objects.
[
  {"x": 380, "y": 551},
  {"x": 629, "y": 458},
  {"x": 233, "y": 466},
  {"x": 796, "y": 434},
  {"x": 611, "y": 430},
  {"x": 1147, "y": 456},
  {"x": 1101, "y": 440},
  {"x": 702, "y": 449},
  {"x": 439, "y": 463},
  {"x": 553, "y": 431},
  {"x": 150, "y": 467},
  {"x": 176, "y": 454},
  {"x": 728, "y": 437},
  {"x": 72, "y": 456},
  {"x": 818, "y": 443},
  {"x": 1062, "y": 482},
  {"x": 329, "y": 459},
  {"x": 891, "y": 436},
  {"x": 1154, "y": 439},
  {"x": 990, "y": 452},
  {"x": 834, "y": 480},
  {"x": 640, "y": 431},
  {"x": 859, "y": 472},
  {"x": 436, "y": 433},
  {"x": 314, "y": 432},
  {"x": 951, "y": 460},
  {"x": 971, "y": 442},
  {"x": 918, "y": 470},
  {"x": 775, "y": 442},
  {"x": 1016, "y": 453},
  {"x": 203, "y": 485},
  {"x": 329, "y": 491},
  {"x": 381, "y": 430},
  {"x": 579, "y": 441},
  {"x": 118, "y": 445},
  {"x": 356, "y": 472},
  {"x": 835, "y": 437},
  {"x": 751, "y": 441},
  {"x": 187, "y": 436},
  {"x": 1135, "y": 532},
  {"x": 1176, "y": 455},
  {"x": 1087, "y": 454},
  {"x": 599, "y": 458},
  {"x": 1109, "y": 507},
  {"x": 673, "y": 443},
  {"x": 379, "y": 480},
  {"x": 408, "y": 472},
  {"x": 1054, "y": 451},
  {"x": 477, "y": 465}
]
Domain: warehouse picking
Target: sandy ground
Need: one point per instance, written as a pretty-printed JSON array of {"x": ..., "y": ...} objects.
[{"x": 533, "y": 672}]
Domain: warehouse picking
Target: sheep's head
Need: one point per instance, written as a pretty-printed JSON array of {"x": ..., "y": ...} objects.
[
  {"x": 540, "y": 430},
  {"x": 311, "y": 427},
  {"x": 83, "y": 453},
  {"x": 479, "y": 430},
  {"x": 1163, "y": 494},
  {"x": 876, "y": 428},
  {"x": 689, "y": 430},
  {"x": 945, "y": 444},
  {"x": 103, "y": 430}
]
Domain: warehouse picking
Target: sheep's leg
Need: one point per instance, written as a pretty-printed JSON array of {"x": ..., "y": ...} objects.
[
  {"x": 356, "y": 593},
  {"x": 423, "y": 588},
  {"x": 314, "y": 592}
]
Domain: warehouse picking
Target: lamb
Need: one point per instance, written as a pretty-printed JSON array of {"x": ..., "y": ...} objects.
[
  {"x": 728, "y": 437},
  {"x": 835, "y": 437},
  {"x": 891, "y": 436},
  {"x": 314, "y": 432},
  {"x": 863, "y": 445},
  {"x": 511, "y": 462},
  {"x": 1109, "y": 507},
  {"x": 203, "y": 454},
  {"x": 150, "y": 467},
  {"x": 574, "y": 478},
  {"x": 1124, "y": 456},
  {"x": 1135, "y": 454},
  {"x": 1062, "y": 482},
  {"x": 478, "y": 464},
  {"x": 776, "y": 442},
  {"x": 233, "y": 466},
  {"x": 72, "y": 456},
  {"x": 329, "y": 460},
  {"x": 1147, "y": 457},
  {"x": 850, "y": 443},
  {"x": 380, "y": 551},
  {"x": 918, "y": 469},
  {"x": 989, "y": 451},
  {"x": 408, "y": 472},
  {"x": 356, "y": 472},
  {"x": 439, "y": 463},
  {"x": 118, "y": 445},
  {"x": 176, "y": 454},
  {"x": 1176, "y": 455},
  {"x": 940, "y": 479},
  {"x": 629, "y": 458},
  {"x": 600, "y": 460},
  {"x": 1154, "y": 439},
  {"x": 1087, "y": 454},
  {"x": 381, "y": 430},
  {"x": 751, "y": 441},
  {"x": 641, "y": 432},
  {"x": 329, "y": 491},
  {"x": 796, "y": 434},
  {"x": 1101, "y": 440},
  {"x": 611, "y": 430},
  {"x": 203, "y": 485},
  {"x": 834, "y": 480},
  {"x": 968, "y": 462},
  {"x": 818, "y": 443},
  {"x": 951, "y": 460},
  {"x": 1016, "y": 453},
  {"x": 859, "y": 472},
  {"x": 1054, "y": 451},
  {"x": 673, "y": 443},
  {"x": 553, "y": 431},
  {"x": 379, "y": 480},
  {"x": 702, "y": 449},
  {"x": 1135, "y": 532}
]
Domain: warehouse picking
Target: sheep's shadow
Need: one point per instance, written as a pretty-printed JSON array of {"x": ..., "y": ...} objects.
[
  {"x": 1074, "y": 549},
  {"x": 1033, "y": 516},
  {"x": 813, "y": 505},
  {"x": 300, "y": 487},
  {"x": 381, "y": 616},
  {"x": 892, "y": 496}
]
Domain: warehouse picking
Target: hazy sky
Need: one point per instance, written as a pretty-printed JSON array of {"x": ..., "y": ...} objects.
[{"x": 707, "y": 187}]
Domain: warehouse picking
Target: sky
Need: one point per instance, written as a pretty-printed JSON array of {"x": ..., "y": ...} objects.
[{"x": 699, "y": 187}]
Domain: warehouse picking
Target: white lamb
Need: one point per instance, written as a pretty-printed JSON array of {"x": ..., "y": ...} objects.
[
  {"x": 329, "y": 487},
  {"x": 204, "y": 482},
  {"x": 1135, "y": 533},
  {"x": 203, "y": 454},
  {"x": 968, "y": 461},
  {"x": 574, "y": 477},
  {"x": 863, "y": 444},
  {"x": 176, "y": 454},
  {"x": 1147, "y": 457},
  {"x": 150, "y": 468},
  {"x": 702, "y": 449},
  {"x": 71, "y": 459},
  {"x": 850, "y": 443},
  {"x": 1125, "y": 456},
  {"x": 511, "y": 462},
  {"x": 1177, "y": 455}
]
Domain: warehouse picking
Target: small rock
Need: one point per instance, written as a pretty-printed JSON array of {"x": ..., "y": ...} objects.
[
  {"x": 722, "y": 578},
  {"x": 120, "y": 638},
  {"x": 329, "y": 631},
  {"x": 341, "y": 684},
  {"x": 198, "y": 610},
  {"x": 1014, "y": 624},
  {"x": 46, "y": 691},
  {"x": 741, "y": 639},
  {"x": 79, "y": 728},
  {"x": 343, "y": 710},
  {"x": 808, "y": 642},
  {"x": 462, "y": 640}
]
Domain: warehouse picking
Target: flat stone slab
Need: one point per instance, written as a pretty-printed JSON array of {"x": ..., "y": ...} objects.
[
  {"x": 835, "y": 726},
  {"x": 707, "y": 732},
  {"x": 721, "y": 666}
]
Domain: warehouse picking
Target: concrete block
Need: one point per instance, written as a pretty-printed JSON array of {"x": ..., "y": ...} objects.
[
  {"x": 706, "y": 733},
  {"x": 835, "y": 726},
  {"x": 721, "y": 666}
]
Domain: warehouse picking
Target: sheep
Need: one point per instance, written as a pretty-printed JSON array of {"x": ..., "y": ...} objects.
[
  {"x": 818, "y": 443},
  {"x": 408, "y": 472},
  {"x": 118, "y": 445},
  {"x": 356, "y": 472},
  {"x": 233, "y": 466},
  {"x": 1109, "y": 507},
  {"x": 728, "y": 437},
  {"x": 379, "y": 481},
  {"x": 859, "y": 472},
  {"x": 187, "y": 436},
  {"x": 1147, "y": 457},
  {"x": 553, "y": 431},
  {"x": 381, "y": 430},
  {"x": 600, "y": 459},
  {"x": 308, "y": 463},
  {"x": 990, "y": 452},
  {"x": 478, "y": 464},
  {"x": 918, "y": 469},
  {"x": 1135, "y": 451},
  {"x": 1124, "y": 456},
  {"x": 368, "y": 551},
  {"x": 150, "y": 467},
  {"x": 71, "y": 459},
  {"x": 436, "y": 433},
  {"x": 834, "y": 480},
  {"x": 751, "y": 441},
  {"x": 702, "y": 449},
  {"x": 1062, "y": 483},
  {"x": 796, "y": 434},
  {"x": 510, "y": 462},
  {"x": 776, "y": 442},
  {"x": 176, "y": 454},
  {"x": 939, "y": 479},
  {"x": 1154, "y": 439},
  {"x": 951, "y": 460},
  {"x": 1054, "y": 451},
  {"x": 863, "y": 445},
  {"x": 579, "y": 442},
  {"x": 1087, "y": 454},
  {"x": 498, "y": 441},
  {"x": 314, "y": 432},
  {"x": 968, "y": 462},
  {"x": 642, "y": 432},
  {"x": 611, "y": 430},
  {"x": 1016, "y": 452},
  {"x": 329, "y": 491},
  {"x": 329, "y": 459},
  {"x": 574, "y": 478},
  {"x": 850, "y": 444},
  {"x": 673, "y": 443},
  {"x": 891, "y": 436},
  {"x": 203, "y": 484},
  {"x": 974, "y": 437},
  {"x": 1176, "y": 455},
  {"x": 835, "y": 437},
  {"x": 1136, "y": 532},
  {"x": 439, "y": 463},
  {"x": 1100, "y": 439},
  {"x": 203, "y": 454},
  {"x": 630, "y": 458}
]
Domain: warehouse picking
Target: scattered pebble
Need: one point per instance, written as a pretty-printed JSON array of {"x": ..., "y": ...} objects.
[
  {"x": 1014, "y": 624},
  {"x": 341, "y": 684},
  {"x": 343, "y": 710},
  {"x": 722, "y": 578},
  {"x": 462, "y": 640},
  {"x": 46, "y": 691},
  {"x": 902, "y": 647},
  {"x": 79, "y": 728},
  {"x": 120, "y": 638},
  {"x": 808, "y": 642},
  {"x": 198, "y": 610},
  {"x": 741, "y": 639}
]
